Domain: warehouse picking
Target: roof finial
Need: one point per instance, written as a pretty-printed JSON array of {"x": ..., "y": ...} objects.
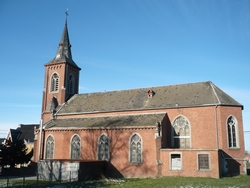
[{"x": 67, "y": 14}]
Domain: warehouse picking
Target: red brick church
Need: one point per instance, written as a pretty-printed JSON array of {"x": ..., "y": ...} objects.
[{"x": 193, "y": 129}]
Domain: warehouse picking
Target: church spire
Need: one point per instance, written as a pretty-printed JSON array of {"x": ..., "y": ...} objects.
[
  {"x": 61, "y": 79},
  {"x": 64, "y": 49}
]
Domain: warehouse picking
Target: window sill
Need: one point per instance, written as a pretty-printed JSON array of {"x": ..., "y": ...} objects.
[
  {"x": 208, "y": 170},
  {"x": 135, "y": 163},
  {"x": 176, "y": 170},
  {"x": 234, "y": 148}
]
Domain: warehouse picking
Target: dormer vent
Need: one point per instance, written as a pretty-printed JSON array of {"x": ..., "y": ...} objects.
[{"x": 151, "y": 93}]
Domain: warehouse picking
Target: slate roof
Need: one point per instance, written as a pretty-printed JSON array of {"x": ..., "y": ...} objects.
[
  {"x": 2, "y": 140},
  {"x": 27, "y": 131},
  {"x": 172, "y": 96},
  {"x": 15, "y": 134},
  {"x": 64, "y": 50},
  {"x": 107, "y": 121}
]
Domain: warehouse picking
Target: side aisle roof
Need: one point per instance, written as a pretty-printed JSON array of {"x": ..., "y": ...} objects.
[{"x": 144, "y": 120}]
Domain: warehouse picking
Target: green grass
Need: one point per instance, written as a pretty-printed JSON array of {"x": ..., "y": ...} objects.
[
  {"x": 184, "y": 182},
  {"x": 248, "y": 165},
  {"x": 175, "y": 182}
]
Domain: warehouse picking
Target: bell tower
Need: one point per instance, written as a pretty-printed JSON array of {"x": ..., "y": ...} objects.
[{"x": 61, "y": 77}]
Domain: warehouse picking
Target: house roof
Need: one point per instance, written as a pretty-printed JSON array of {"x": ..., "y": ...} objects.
[
  {"x": 23, "y": 131},
  {"x": 144, "y": 120},
  {"x": 15, "y": 134},
  {"x": 27, "y": 131},
  {"x": 172, "y": 96},
  {"x": 2, "y": 140}
]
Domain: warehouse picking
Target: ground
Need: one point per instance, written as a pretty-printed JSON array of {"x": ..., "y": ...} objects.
[{"x": 180, "y": 182}]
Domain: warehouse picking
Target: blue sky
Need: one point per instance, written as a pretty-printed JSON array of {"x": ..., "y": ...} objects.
[{"x": 123, "y": 45}]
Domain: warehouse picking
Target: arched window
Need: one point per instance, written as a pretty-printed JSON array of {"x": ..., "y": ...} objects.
[
  {"x": 103, "y": 147},
  {"x": 135, "y": 149},
  {"x": 54, "y": 83},
  {"x": 70, "y": 84},
  {"x": 75, "y": 147},
  {"x": 232, "y": 129},
  {"x": 181, "y": 133},
  {"x": 49, "y": 147}
]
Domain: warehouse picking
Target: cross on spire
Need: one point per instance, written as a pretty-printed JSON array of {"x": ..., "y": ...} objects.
[{"x": 67, "y": 14}]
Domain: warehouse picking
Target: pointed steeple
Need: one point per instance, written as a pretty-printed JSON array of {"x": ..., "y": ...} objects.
[
  {"x": 64, "y": 49},
  {"x": 61, "y": 79}
]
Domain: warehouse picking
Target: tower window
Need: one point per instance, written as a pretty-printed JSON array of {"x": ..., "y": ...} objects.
[
  {"x": 70, "y": 84},
  {"x": 54, "y": 83}
]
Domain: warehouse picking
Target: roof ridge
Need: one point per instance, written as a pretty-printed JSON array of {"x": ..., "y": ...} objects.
[
  {"x": 139, "y": 88},
  {"x": 212, "y": 85}
]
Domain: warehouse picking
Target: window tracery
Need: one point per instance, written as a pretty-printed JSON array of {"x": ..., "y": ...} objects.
[
  {"x": 49, "y": 147},
  {"x": 232, "y": 132},
  {"x": 103, "y": 147},
  {"x": 136, "y": 149},
  {"x": 54, "y": 83},
  {"x": 181, "y": 133},
  {"x": 75, "y": 147}
]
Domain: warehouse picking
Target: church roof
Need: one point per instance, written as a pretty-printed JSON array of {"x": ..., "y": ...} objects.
[
  {"x": 144, "y": 120},
  {"x": 172, "y": 96},
  {"x": 64, "y": 50}
]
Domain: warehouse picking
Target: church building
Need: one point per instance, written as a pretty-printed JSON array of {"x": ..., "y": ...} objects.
[{"x": 193, "y": 129}]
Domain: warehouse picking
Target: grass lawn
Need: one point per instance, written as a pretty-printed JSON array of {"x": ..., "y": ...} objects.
[
  {"x": 180, "y": 182},
  {"x": 175, "y": 182},
  {"x": 248, "y": 165}
]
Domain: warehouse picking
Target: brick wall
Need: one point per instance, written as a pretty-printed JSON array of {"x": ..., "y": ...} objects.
[
  {"x": 189, "y": 163},
  {"x": 208, "y": 134},
  {"x": 119, "y": 144}
]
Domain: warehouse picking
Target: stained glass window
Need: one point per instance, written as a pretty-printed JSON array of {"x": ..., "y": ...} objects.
[
  {"x": 181, "y": 133},
  {"x": 136, "y": 149},
  {"x": 103, "y": 147},
  {"x": 232, "y": 132},
  {"x": 49, "y": 147},
  {"x": 76, "y": 147}
]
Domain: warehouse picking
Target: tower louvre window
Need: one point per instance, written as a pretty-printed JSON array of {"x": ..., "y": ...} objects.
[
  {"x": 54, "y": 83},
  {"x": 70, "y": 84}
]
